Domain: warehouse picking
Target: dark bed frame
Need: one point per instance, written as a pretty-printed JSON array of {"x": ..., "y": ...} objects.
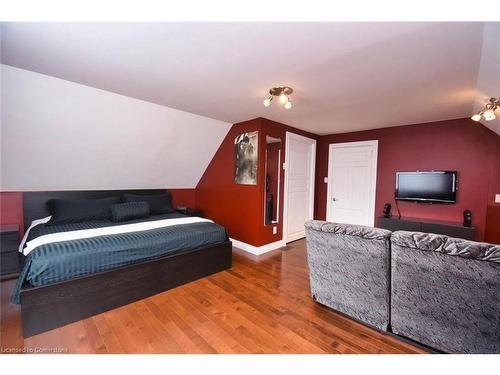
[{"x": 50, "y": 306}]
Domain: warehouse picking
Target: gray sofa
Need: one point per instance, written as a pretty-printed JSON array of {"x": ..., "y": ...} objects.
[
  {"x": 442, "y": 292},
  {"x": 348, "y": 270},
  {"x": 446, "y": 292}
]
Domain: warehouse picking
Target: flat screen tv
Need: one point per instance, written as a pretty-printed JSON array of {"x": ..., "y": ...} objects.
[{"x": 427, "y": 186}]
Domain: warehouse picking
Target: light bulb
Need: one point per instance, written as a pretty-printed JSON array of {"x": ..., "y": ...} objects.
[
  {"x": 476, "y": 117},
  {"x": 267, "y": 102},
  {"x": 489, "y": 115},
  {"x": 288, "y": 105},
  {"x": 283, "y": 98}
]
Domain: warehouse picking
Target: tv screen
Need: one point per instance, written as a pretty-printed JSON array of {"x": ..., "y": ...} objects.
[{"x": 433, "y": 186}]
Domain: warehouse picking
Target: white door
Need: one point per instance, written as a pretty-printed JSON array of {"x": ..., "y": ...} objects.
[
  {"x": 300, "y": 162},
  {"x": 352, "y": 176}
]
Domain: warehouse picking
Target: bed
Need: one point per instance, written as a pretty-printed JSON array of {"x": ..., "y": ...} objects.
[{"x": 72, "y": 271}]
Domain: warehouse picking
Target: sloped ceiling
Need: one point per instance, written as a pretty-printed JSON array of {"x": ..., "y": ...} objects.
[
  {"x": 60, "y": 135},
  {"x": 488, "y": 81},
  {"x": 346, "y": 76}
]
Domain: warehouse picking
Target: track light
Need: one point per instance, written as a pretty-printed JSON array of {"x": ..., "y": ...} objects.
[
  {"x": 488, "y": 111},
  {"x": 283, "y": 93}
]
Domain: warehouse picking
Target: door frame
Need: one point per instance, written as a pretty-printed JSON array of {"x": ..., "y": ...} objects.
[
  {"x": 331, "y": 147},
  {"x": 289, "y": 136}
]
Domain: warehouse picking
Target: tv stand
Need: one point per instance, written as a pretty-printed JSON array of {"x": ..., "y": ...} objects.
[{"x": 412, "y": 224}]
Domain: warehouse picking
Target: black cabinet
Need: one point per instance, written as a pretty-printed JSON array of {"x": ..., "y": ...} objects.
[
  {"x": 446, "y": 228},
  {"x": 9, "y": 244}
]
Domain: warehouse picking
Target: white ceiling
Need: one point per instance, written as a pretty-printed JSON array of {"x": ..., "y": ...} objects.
[{"x": 346, "y": 76}]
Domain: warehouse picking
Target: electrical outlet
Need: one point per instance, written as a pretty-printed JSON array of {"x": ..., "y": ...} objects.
[
  {"x": 275, "y": 230},
  {"x": 325, "y": 180},
  {"x": 497, "y": 198}
]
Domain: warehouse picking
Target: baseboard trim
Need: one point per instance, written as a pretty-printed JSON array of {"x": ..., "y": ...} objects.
[{"x": 257, "y": 250}]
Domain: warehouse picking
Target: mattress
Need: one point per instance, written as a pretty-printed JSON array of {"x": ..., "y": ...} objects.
[{"x": 62, "y": 260}]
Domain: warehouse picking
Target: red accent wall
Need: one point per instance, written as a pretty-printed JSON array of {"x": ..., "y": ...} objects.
[
  {"x": 492, "y": 232},
  {"x": 11, "y": 205},
  {"x": 183, "y": 197},
  {"x": 11, "y": 209},
  {"x": 494, "y": 145},
  {"x": 461, "y": 145},
  {"x": 234, "y": 206},
  {"x": 240, "y": 208}
]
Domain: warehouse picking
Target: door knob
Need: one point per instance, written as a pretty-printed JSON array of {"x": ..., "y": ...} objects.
[{"x": 334, "y": 199}]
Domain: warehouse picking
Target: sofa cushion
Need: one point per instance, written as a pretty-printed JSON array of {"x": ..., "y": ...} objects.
[{"x": 445, "y": 292}]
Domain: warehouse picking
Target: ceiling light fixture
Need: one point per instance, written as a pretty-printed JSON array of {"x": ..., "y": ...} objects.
[
  {"x": 488, "y": 111},
  {"x": 283, "y": 92}
]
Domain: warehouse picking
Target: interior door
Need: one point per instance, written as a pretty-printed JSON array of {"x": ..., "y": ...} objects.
[
  {"x": 300, "y": 161},
  {"x": 351, "y": 183}
]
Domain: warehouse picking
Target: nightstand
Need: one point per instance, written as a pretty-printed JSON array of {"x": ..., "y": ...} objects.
[
  {"x": 9, "y": 246},
  {"x": 191, "y": 212}
]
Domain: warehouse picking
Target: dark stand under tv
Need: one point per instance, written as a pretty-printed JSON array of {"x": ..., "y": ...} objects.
[{"x": 451, "y": 229}]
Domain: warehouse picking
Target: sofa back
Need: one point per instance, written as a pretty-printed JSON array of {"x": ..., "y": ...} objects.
[
  {"x": 348, "y": 269},
  {"x": 446, "y": 292}
]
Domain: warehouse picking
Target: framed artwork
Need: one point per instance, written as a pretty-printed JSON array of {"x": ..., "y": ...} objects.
[{"x": 246, "y": 153}]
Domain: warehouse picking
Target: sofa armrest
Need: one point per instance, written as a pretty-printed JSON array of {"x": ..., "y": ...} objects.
[
  {"x": 349, "y": 270},
  {"x": 361, "y": 231},
  {"x": 447, "y": 245}
]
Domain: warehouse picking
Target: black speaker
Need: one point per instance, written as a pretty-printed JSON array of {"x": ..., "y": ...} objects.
[
  {"x": 467, "y": 218},
  {"x": 387, "y": 210}
]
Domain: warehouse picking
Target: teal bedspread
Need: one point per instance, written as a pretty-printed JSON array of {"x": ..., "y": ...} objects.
[{"x": 59, "y": 261}]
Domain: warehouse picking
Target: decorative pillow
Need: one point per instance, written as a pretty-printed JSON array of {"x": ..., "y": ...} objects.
[
  {"x": 74, "y": 211},
  {"x": 158, "y": 204},
  {"x": 129, "y": 211}
]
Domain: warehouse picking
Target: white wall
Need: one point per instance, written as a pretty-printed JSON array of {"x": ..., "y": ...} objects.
[
  {"x": 488, "y": 81},
  {"x": 56, "y": 134}
]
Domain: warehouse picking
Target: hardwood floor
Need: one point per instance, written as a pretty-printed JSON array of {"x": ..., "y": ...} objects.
[{"x": 261, "y": 305}]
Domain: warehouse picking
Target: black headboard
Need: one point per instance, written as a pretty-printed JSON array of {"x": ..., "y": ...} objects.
[{"x": 34, "y": 203}]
